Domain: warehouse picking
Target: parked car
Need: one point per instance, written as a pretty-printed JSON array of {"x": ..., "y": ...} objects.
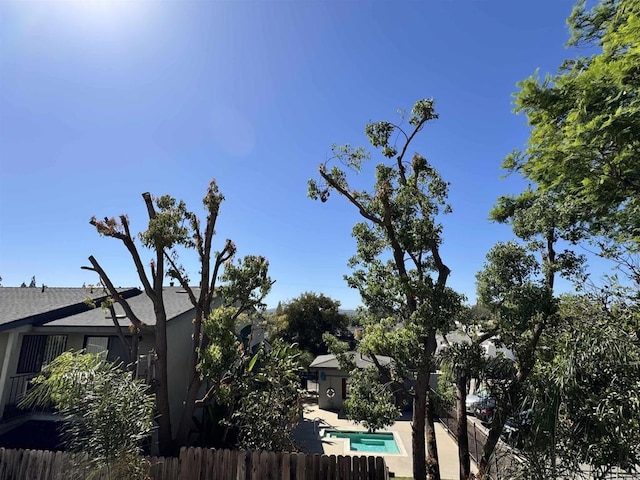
[
  {"x": 473, "y": 400},
  {"x": 485, "y": 409},
  {"x": 517, "y": 426}
]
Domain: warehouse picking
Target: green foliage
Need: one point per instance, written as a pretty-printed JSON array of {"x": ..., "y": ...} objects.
[
  {"x": 260, "y": 391},
  {"x": 223, "y": 349},
  {"x": 308, "y": 317},
  {"x": 582, "y": 157},
  {"x": 246, "y": 283},
  {"x": 445, "y": 398},
  {"x": 167, "y": 227},
  {"x": 585, "y": 122},
  {"x": 108, "y": 413},
  {"x": 269, "y": 398},
  {"x": 370, "y": 403},
  {"x": 511, "y": 287},
  {"x": 584, "y": 394}
]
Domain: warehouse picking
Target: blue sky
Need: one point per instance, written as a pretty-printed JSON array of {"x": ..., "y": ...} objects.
[{"x": 103, "y": 100}]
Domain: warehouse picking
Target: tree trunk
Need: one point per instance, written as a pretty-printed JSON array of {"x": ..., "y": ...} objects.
[
  {"x": 199, "y": 343},
  {"x": 432, "y": 447},
  {"x": 418, "y": 426},
  {"x": 489, "y": 448},
  {"x": 162, "y": 390},
  {"x": 461, "y": 430},
  {"x": 186, "y": 417}
]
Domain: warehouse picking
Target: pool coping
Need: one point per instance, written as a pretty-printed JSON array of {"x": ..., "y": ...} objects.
[{"x": 347, "y": 442}]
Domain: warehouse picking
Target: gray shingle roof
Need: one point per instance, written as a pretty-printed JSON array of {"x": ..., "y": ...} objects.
[
  {"x": 58, "y": 306},
  {"x": 17, "y": 303},
  {"x": 362, "y": 361},
  {"x": 176, "y": 302}
]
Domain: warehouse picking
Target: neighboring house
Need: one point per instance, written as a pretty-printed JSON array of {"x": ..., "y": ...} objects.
[
  {"x": 489, "y": 345},
  {"x": 37, "y": 324},
  {"x": 333, "y": 383}
]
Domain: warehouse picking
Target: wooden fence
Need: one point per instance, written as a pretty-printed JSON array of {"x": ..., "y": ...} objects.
[{"x": 201, "y": 464}]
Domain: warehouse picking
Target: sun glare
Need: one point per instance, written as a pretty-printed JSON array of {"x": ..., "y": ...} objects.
[{"x": 107, "y": 14}]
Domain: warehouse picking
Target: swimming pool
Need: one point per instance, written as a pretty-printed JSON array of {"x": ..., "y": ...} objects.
[{"x": 367, "y": 442}]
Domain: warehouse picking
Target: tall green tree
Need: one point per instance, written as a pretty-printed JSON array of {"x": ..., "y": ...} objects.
[
  {"x": 510, "y": 286},
  {"x": 308, "y": 317},
  {"x": 172, "y": 226},
  {"x": 397, "y": 268},
  {"x": 585, "y": 123},
  {"x": 517, "y": 287},
  {"x": 582, "y": 156}
]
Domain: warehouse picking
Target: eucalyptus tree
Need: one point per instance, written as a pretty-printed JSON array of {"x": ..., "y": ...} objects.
[
  {"x": 398, "y": 268},
  {"x": 171, "y": 226}
]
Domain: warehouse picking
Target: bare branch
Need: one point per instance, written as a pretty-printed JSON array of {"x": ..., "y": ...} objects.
[
  {"x": 400, "y": 157},
  {"x": 114, "y": 318},
  {"x": 181, "y": 279},
  {"x": 114, "y": 293},
  {"x": 363, "y": 211},
  {"x": 148, "y": 200},
  {"x": 227, "y": 253}
]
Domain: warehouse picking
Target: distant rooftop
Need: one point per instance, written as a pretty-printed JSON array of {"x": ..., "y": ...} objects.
[{"x": 362, "y": 361}]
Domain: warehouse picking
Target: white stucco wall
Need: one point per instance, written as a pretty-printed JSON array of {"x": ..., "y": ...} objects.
[
  {"x": 179, "y": 334},
  {"x": 330, "y": 378}
]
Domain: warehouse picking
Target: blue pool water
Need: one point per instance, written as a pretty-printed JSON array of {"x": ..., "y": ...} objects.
[{"x": 368, "y": 442}]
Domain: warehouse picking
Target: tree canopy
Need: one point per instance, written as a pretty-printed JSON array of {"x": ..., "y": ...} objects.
[
  {"x": 576, "y": 362},
  {"x": 585, "y": 122},
  {"x": 582, "y": 396},
  {"x": 308, "y": 317}
]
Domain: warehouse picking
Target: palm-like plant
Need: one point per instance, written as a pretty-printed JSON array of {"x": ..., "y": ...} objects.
[{"x": 108, "y": 413}]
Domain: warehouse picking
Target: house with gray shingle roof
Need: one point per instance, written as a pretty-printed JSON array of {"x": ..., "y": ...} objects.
[{"x": 37, "y": 324}]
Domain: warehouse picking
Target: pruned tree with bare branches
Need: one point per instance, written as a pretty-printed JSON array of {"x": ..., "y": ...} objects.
[{"x": 172, "y": 225}]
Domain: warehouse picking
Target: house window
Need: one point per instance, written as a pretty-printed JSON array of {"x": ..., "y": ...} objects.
[
  {"x": 39, "y": 350},
  {"x": 96, "y": 344},
  {"x": 112, "y": 345}
]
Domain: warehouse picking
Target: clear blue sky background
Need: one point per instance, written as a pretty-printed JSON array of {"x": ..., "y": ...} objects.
[{"x": 101, "y": 101}]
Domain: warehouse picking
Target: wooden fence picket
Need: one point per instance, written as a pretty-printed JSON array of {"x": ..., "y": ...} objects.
[
  {"x": 242, "y": 465},
  {"x": 198, "y": 464}
]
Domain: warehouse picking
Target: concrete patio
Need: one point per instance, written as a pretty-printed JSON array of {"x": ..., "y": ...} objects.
[{"x": 308, "y": 438}]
